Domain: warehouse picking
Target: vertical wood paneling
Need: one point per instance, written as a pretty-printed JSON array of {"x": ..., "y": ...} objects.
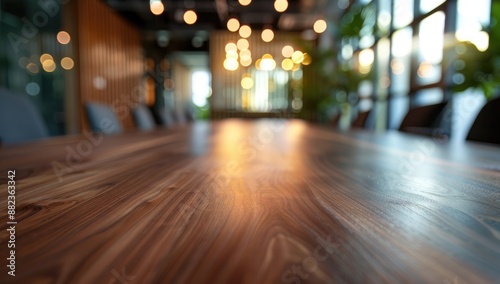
[
  {"x": 111, "y": 64},
  {"x": 226, "y": 99}
]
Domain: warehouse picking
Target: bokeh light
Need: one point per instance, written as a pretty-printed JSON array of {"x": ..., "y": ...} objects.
[
  {"x": 190, "y": 17},
  {"x": 44, "y": 57},
  {"x": 67, "y": 63},
  {"x": 32, "y": 67},
  {"x": 307, "y": 59},
  {"x": 281, "y": 5},
  {"x": 245, "y": 31},
  {"x": 320, "y": 26},
  {"x": 231, "y": 64},
  {"x": 231, "y": 46},
  {"x": 287, "y": 51},
  {"x": 156, "y": 7},
  {"x": 246, "y": 81},
  {"x": 49, "y": 65},
  {"x": 287, "y": 64},
  {"x": 242, "y": 44},
  {"x": 233, "y": 25},
  {"x": 267, "y": 35},
  {"x": 63, "y": 37},
  {"x": 297, "y": 56},
  {"x": 245, "y": 2}
]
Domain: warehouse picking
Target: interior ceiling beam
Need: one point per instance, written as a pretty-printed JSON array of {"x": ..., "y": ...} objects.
[
  {"x": 212, "y": 14},
  {"x": 169, "y": 5}
]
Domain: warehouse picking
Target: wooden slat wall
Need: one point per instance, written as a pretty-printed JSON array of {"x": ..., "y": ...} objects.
[
  {"x": 183, "y": 90},
  {"x": 110, "y": 54}
]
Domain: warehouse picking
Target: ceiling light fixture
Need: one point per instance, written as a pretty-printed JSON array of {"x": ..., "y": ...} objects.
[
  {"x": 281, "y": 5},
  {"x": 190, "y": 17},
  {"x": 231, "y": 64},
  {"x": 246, "y": 62},
  {"x": 67, "y": 63},
  {"x": 245, "y": 54},
  {"x": 320, "y": 26},
  {"x": 242, "y": 44},
  {"x": 297, "y": 57},
  {"x": 267, "y": 62},
  {"x": 287, "y": 64},
  {"x": 245, "y": 2},
  {"x": 63, "y": 37},
  {"x": 287, "y": 51},
  {"x": 233, "y": 24},
  {"x": 156, "y": 7},
  {"x": 245, "y": 31},
  {"x": 230, "y": 46},
  {"x": 267, "y": 35},
  {"x": 246, "y": 81}
]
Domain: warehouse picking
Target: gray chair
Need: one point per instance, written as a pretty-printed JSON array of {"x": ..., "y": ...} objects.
[
  {"x": 20, "y": 121},
  {"x": 103, "y": 119},
  {"x": 165, "y": 117},
  {"x": 180, "y": 116},
  {"x": 144, "y": 120}
]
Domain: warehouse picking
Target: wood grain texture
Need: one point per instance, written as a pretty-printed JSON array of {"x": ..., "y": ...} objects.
[{"x": 266, "y": 201}]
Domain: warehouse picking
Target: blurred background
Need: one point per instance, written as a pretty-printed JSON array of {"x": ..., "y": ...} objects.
[{"x": 343, "y": 63}]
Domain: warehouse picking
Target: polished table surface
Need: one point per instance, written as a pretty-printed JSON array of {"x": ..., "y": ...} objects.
[{"x": 265, "y": 201}]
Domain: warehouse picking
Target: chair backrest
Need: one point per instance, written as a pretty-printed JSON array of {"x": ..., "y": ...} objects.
[
  {"x": 190, "y": 116},
  {"x": 180, "y": 116},
  {"x": 334, "y": 119},
  {"x": 103, "y": 119},
  {"x": 422, "y": 117},
  {"x": 144, "y": 119},
  {"x": 360, "y": 121},
  {"x": 164, "y": 116},
  {"x": 486, "y": 127},
  {"x": 20, "y": 121}
]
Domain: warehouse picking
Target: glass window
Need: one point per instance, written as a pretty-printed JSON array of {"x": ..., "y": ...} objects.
[
  {"x": 427, "y": 5},
  {"x": 384, "y": 17},
  {"x": 428, "y": 97},
  {"x": 403, "y": 13},
  {"x": 401, "y": 62},
  {"x": 430, "y": 52},
  {"x": 200, "y": 86},
  {"x": 382, "y": 61},
  {"x": 31, "y": 65},
  {"x": 472, "y": 17},
  {"x": 431, "y": 38}
]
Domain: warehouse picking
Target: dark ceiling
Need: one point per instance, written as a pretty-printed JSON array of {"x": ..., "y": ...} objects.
[{"x": 170, "y": 29}]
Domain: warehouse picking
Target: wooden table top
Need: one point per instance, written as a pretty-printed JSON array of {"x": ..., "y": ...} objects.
[{"x": 240, "y": 201}]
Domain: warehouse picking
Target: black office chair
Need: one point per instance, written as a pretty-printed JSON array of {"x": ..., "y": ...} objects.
[
  {"x": 486, "y": 127},
  {"x": 190, "y": 116},
  {"x": 103, "y": 119},
  {"x": 423, "y": 120},
  {"x": 144, "y": 120},
  {"x": 360, "y": 121},
  {"x": 334, "y": 120},
  {"x": 164, "y": 116},
  {"x": 20, "y": 121}
]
